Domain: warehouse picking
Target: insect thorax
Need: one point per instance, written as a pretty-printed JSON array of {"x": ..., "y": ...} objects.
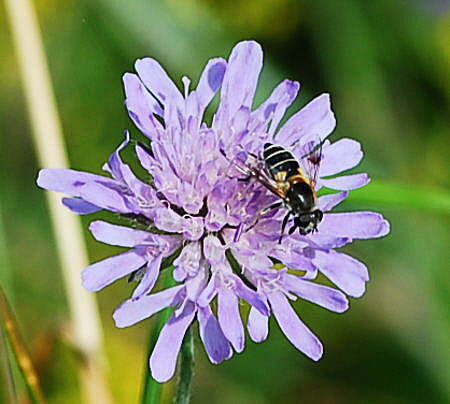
[{"x": 301, "y": 197}]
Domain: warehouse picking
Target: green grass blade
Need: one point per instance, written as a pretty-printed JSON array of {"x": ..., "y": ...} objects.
[
  {"x": 9, "y": 393},
  {"x": 20, "y": 353}
]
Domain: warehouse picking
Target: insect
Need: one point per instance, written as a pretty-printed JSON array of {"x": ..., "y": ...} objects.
[
  {"x": 294, "y": 187},
  {"x": 280, "y": 172}
]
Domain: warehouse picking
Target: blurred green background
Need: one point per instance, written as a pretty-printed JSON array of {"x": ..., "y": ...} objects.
[{"x": 387, "y": 67}]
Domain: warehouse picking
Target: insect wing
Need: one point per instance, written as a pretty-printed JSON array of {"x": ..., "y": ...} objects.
[
  {"x": 271, "y": 185},
  {"x": 311, "y": 159},
  {"x": 254, "y": 170}
]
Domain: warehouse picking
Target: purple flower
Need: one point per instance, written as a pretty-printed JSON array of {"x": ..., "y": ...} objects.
[{"x": 197, "y": 205}]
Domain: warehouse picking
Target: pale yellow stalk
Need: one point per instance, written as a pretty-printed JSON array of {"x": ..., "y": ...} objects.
[{"x": 49, "y": 144}]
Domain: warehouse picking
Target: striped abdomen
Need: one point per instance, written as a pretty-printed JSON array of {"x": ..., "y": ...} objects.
[{"x": 278, "y": 159}]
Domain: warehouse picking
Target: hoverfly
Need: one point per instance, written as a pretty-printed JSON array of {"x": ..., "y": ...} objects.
[
  {"x": 294, "y": 187},
  {"x": 280, "y": 172}
]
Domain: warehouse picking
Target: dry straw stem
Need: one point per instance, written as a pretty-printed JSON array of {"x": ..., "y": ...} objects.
[{"x": 49, "y": 143}]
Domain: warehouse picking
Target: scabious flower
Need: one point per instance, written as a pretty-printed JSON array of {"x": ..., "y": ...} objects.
[{"x": 196, "y": 205}]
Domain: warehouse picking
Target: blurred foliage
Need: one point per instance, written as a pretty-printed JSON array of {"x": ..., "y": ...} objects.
[
  {"x": 386, "y": 64},
  {"x": 253, "y": 17}
]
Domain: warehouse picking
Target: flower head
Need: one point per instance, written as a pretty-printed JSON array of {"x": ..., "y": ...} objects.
[{"x": 198, "y": 204}]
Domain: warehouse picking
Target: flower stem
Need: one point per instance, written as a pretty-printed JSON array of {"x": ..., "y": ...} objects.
[
  {"x": 186, "y": 369},
  {"x": 152, "y": 389}
]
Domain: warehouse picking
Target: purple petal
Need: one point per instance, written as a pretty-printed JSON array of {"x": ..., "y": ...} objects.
[
  {"x": 216, "y": 345},
  {"x": 168, "y": 220},
  {"x": 278, "y": 102},
  {"x": 216, "y": 217},
  {"x": 144, "y": 158},
  {"x": 294, "y": 329},
  {"x": 104, "y": 197},
  {"x": 120, "y": 235},
  {"x": 149, "y": 279},
  {"x": 344, "y": 271},
  {"x": 240, "y": 119},
  {"x": 158, "y": 82},
  {"x": 164, "y": 357},
  {"x": 252, "y": 259},
  {"x": 354, "y": 225},
  {"x": 67, "y": 181},
  {"x": 269, "y": 228},
  {"x": 250, "y": 296},
  {"x": 193, "y": 227},
  {"x": 191, "y": 202},
  {"x": 340, "y": 156},
  {"x": 213, "y": 250},
  {"x": 196, "y": 284},
  {"x": 145, "y": 195},
  {"x": 210, "y": 81},
  {"x": 80, "y": 206},
  {"x": 230, "y": 318},
  {"x": 315, "y": 120},
  {"x": 115, "y": 163},
  {"x": 294, "y": 259},
  {"x": 141, "y": 105},
  {"x": 105, "y": 272},
  {"x": 133, "y": 311},
  {"x": 188, "y": 262},
  {"x": 209, "y": 293},
  {"x": 257, "y": 325},
  {"x": 323, "y": 241},
  {"x": 241, "y": 78},
  {"x": 324, "y": 296},
  {"x": 328, "y": 202},
  {"x": 346, "y": 182},
  {"x": 292, "y": 254},
  {"x": 179, "y": 274}
]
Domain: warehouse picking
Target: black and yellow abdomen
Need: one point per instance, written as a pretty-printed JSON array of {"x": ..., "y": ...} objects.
[{"x": 278, "y": 159}]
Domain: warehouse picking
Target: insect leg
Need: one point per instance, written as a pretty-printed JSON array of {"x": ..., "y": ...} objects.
[
  {"x": 292, "y": 229},
  {"x": 244, "y": 170},
  {"x": 275, "y": 205},
  {"x": 245, "y": 179},
  {"x": 283, "y": 226}
]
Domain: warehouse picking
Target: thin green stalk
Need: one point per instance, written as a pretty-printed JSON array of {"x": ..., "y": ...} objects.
[
  {"x": 6, "y": 277},
  {"x": 183, "y": 394},
  {"x": 152, "y": 389},
  {"x": 403, "y": 196},
  {"x": 20, "y": 353},
  {"x": 9, "y": 387}
]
